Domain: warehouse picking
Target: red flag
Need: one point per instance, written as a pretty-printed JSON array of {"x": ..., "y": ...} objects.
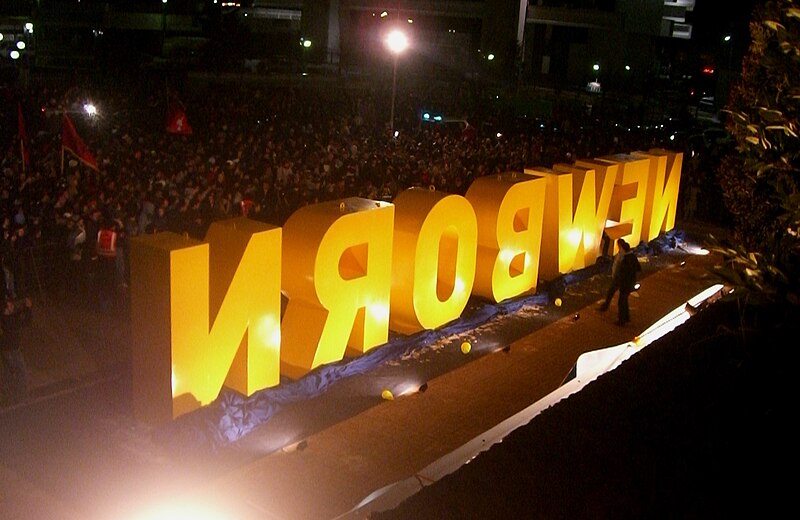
[
  {"x": 469, "y": 132},
  {"x": 177, "y": 123},
  {"x": 70, "y": 140},
  {"x": 23, "y": 137}
]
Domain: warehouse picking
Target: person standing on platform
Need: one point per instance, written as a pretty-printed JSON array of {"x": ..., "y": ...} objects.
[
  {"x": 14, "y": 377},
  {"x": 614, "y": 285},
  {"x": 629, "y": 269}
]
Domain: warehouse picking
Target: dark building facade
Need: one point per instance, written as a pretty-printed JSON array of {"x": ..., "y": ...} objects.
[{"x": 618, "y": 44}]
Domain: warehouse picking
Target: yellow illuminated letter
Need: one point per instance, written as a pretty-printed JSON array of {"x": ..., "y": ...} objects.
[
  {"x": 509, "y": 211},
  {"x": 584, "y": 200},
  {"x": 606, "y": 172},
  {"x": 433, "y": 269},
  {"x": 548, "y": 255},
  {"x": 630, "y": 193},
  {"x": 180, "y": 362},
  {"x": 662, "y": 192},
  {"x": 337, "y": 259}
]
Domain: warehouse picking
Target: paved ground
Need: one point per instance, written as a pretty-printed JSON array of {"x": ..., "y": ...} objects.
[{"x": 73, "y": 450}]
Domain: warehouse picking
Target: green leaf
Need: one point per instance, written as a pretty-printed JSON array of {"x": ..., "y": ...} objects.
[{"x": 772, "y": 24}]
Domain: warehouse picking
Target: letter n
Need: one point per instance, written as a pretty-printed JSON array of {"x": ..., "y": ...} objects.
[
  {"x": 204, "y": 315},
  {"x": 662, "y": 195}
]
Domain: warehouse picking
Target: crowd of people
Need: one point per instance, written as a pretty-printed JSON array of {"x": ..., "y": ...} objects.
[{"x": 262, "y": 150}]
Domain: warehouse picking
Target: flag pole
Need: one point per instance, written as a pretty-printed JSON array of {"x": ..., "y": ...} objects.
[
  {"x": 22, "y": 153},
  {"x": 23, "y": 135}
]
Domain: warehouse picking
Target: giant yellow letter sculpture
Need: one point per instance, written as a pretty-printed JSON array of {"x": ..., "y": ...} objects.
[
  {"x": 577, "y": 202},
  {"x": 662, "y": 191},
  {"x": 606, "y": 172},
  {"x": 509, "y": 210},
  {"x": 337, "y": 261},
  {"x": 584, "y": 200},
  {"x": 435, "y": 240},
  {"x": 628, "y": 202},
  {"x": 208, "y": 313},
  {"x": 180, "y": 362}
]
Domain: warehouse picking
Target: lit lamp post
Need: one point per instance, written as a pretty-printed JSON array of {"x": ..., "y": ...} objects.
[
  {"x": 729, "y": 46},
  {"x": 163, "y": 25},
  {"x": 397, "y": 43},
  {"x": 305, "y": 44}
]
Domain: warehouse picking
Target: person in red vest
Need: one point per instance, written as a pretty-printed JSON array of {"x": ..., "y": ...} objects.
[
  {"x": 107, "y": 238},
  {"x": 247, "y": 206}
]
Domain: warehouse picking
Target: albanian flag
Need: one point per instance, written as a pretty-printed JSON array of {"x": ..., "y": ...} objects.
[
  {"x": 70, "y": 140},
  {"x": 177, "y": 123}
]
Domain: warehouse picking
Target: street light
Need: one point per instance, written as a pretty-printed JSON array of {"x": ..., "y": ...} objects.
[
  {"x": 397, "y": 41},
  {"x": 306, "y": 45},
  {"x": 163, "y": 25},
  {"x": 729, "y": 46}
]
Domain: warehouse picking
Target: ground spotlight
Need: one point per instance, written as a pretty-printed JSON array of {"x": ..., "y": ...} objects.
[
  {"x": 297, "y": 446},
  {"x": 183, "y": 510}
]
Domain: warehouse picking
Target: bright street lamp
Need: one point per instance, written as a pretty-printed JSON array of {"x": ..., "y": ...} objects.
[
  {"x": 306, "y": 45},
  {"x": 397, "y": 42}
]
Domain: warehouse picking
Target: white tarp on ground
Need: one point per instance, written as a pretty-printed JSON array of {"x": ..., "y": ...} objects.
[{"x": 589, "y": 367}]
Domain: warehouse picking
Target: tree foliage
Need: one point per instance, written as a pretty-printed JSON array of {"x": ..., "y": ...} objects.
[{"x": 760, "y": 179}]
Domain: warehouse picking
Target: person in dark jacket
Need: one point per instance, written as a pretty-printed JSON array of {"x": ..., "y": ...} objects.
[
  {"x": 628, "y": 271},
  {"x": 613, "y": 286},
  {"x": 14, "y": 376}
]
